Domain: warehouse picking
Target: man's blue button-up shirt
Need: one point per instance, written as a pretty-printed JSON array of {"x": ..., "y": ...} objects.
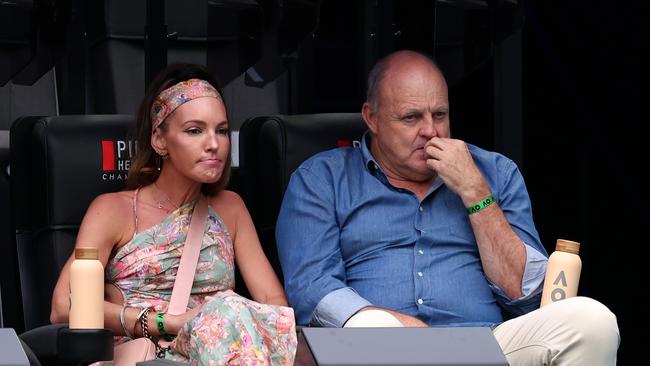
[{"x": 348, "y": 239}]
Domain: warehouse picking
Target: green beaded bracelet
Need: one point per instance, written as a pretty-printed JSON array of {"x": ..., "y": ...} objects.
[
  {"x": 480, "y": 205},
  {"x": 160, "y": 321}
]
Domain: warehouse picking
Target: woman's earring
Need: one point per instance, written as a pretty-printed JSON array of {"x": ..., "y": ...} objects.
[{"x": 161, "y": 154}]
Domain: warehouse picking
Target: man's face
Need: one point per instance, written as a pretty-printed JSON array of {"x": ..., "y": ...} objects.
[{"x": 413, "y": 107}]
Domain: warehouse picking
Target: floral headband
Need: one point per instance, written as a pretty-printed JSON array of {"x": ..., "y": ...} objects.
[{"x": 177, "y": 95}]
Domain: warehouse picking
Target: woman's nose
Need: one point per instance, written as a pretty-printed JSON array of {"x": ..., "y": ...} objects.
[{"x": 213, "y": 141}]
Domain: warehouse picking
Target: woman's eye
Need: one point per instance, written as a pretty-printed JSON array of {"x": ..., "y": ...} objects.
[
  {"x": 223, "y": 131},
  {"x": 193, "y": 131}
]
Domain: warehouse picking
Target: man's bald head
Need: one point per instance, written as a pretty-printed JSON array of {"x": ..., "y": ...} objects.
[{"x": 397, "y": 62}]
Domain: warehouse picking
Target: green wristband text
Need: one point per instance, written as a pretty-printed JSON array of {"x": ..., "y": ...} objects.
[{"x": 480, "y": 205}]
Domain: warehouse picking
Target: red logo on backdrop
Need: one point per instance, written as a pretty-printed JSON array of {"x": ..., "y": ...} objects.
[
  {"x": 108, "y": 155},
  {"x": 116, "y": 158},
  {"x": 348, "y": 143}
]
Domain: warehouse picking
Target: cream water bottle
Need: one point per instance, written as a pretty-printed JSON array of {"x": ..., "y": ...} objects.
[
  {"x": 562, "y": 272},
  {"x": 86, "y": 290}
]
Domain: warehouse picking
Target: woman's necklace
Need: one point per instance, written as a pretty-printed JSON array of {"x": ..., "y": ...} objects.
[{"x": 165, "y": 199}]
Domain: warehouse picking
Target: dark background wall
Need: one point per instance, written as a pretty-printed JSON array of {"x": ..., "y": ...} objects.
[{"x": 585, "y": 117}]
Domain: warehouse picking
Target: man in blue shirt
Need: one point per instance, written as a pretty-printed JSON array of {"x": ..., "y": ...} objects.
[{"x": 430, "y": 229}]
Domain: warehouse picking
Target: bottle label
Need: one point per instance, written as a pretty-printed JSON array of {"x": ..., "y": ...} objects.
[{"x": 558, "y": 293}]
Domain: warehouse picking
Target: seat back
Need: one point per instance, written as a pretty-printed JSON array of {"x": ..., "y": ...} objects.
[
  {"x": 272, "y": 147},
  {"x": 59, "y": 165},
  {"x": 9, "y": 312}
]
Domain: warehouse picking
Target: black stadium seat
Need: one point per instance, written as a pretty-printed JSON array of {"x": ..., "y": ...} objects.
[
  {"x": 272, "y": 147},
  {"x": 59, "y": 165}
]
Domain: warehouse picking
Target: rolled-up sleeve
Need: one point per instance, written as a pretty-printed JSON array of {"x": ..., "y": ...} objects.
[
  {"x": 307, "y": 235},
  {"x": 337, "y": 307},
  {"x": 531, "y": 284}
]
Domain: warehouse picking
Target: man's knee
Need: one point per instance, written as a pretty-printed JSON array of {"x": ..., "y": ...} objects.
[{"x": 590, "y": 318}]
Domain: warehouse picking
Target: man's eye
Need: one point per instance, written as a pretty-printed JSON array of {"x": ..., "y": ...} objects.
[
  {"x": 440, "y": 115},
  {"x": 409, "y": 117}
]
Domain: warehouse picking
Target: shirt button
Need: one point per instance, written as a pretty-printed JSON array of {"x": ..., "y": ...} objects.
[
  {"x": 421, "y": 209},
  {"x": 420, "y": 301},
  {"x": 421, "y": 251},
  {"x": 420, "y": 274}
]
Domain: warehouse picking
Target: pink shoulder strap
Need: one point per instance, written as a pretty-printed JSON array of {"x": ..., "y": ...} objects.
[{"x": 189, "y": 259}]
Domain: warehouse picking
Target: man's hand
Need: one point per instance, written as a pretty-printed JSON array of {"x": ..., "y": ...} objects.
[
  {"x": 406, "y": 320},
  {"x": 452, "y": 161},
  {"x": 502, "y": 252}
]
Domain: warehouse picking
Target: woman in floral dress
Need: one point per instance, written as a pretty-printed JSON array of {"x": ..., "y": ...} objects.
[{"x": 183, "y": 157}]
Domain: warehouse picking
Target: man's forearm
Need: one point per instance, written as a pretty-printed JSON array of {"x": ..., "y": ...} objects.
[{"x": 502, "y": 252}]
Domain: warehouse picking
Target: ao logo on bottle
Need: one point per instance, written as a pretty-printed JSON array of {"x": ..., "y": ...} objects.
[{"x": 559, "y": 293}]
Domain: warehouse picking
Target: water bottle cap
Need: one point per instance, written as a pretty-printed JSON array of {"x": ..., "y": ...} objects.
[
  {"x": 85, "y": 253},
  {"x": 567, "y": 246}
]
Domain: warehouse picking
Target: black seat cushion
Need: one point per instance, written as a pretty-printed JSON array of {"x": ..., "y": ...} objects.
[
  {"x": 272, "y": 147},
  {"x": 59, "y": 165}
]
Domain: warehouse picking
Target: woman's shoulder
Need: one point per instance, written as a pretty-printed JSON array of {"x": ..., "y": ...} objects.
[
  {"x": 118, "y": 204},
  {"x": 227, "y": 203},
  {"x": 228, "y": 197},
  {"x": 107, "y": 218}
]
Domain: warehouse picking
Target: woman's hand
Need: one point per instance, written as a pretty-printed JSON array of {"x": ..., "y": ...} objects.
[{"x": 174, "y": 323}]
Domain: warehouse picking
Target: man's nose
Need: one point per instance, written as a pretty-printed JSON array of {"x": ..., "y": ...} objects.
[{"x": 428, "y": 129}]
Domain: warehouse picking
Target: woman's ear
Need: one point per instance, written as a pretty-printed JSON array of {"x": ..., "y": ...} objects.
[{"x": 158, "y": 142}]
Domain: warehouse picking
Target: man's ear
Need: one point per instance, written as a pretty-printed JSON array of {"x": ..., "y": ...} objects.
[
  {"x": 370, "y": 117},
  {"x": 158, "y": 142}
]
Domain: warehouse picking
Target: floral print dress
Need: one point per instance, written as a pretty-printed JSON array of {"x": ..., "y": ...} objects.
[{"x": 229, "y": 329}]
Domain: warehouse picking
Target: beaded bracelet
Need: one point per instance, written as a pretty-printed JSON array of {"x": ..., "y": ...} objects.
[
  {"x": 137, "y": 321},
  {"x": 144, "y": 322},
  {"x": 160, "y": 321}
]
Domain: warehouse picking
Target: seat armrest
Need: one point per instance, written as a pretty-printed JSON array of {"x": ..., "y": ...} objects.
[
  {"x": 42, "y": 341},
  {"x": 56, "y": 344}
]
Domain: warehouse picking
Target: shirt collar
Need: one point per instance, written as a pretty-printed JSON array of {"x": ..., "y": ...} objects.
[
  {"x": 375, "y": 170},
  {"x": 368, "y": 159}
]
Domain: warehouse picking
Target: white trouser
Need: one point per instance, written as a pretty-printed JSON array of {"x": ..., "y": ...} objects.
[{"x": 575, "y": 331}]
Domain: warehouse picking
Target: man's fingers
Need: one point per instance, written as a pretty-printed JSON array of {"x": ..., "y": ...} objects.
[{"x": 433, "y": 152}]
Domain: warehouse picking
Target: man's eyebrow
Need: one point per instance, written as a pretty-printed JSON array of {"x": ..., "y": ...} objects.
[{"x": 409, "y": 111}]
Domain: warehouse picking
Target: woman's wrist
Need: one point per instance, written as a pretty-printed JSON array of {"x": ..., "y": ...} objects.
[{"x": 171, "y": 324}]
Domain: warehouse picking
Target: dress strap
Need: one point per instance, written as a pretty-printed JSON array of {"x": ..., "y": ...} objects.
[{"x": 135, "y": 210}]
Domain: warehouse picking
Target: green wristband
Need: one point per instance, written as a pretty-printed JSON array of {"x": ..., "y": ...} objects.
[
  {"x": 480, "y": 205},
  {"x": 160, "y": 322}
]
